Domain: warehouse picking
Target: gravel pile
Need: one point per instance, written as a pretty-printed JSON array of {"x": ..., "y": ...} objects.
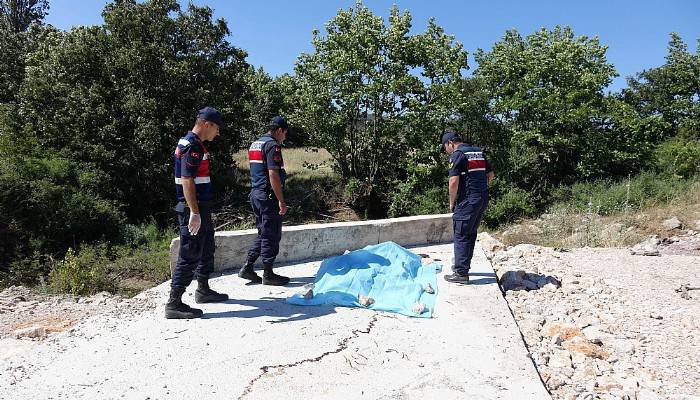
[{"x": 603, "y": 323}]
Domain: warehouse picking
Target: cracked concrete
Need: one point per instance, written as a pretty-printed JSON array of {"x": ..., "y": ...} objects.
[
  {"x": 257, "y": 346},
  {"x": 342, "y": 345}
]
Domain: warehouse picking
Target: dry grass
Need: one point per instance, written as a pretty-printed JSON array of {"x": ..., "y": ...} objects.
[
  {"x": 566, "y": 227},
  {"x": 299, "y": 162}
]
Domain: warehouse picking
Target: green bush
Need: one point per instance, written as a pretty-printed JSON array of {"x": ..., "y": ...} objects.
[
  {"x": 679, "y": 157},
  {"x": 81, "y": 273},
  {"x": 514, "y": 203},
  {"x": 608, "y": 197}
]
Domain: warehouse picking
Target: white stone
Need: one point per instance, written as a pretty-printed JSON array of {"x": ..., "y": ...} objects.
[
  {"x": 649, "y": 247},
  {"x": 672, "y": 223},
  {"x": 621, "y": 346},
  {"x": 33, "y": 332},
  {"x": 646, "y": 394},
  {"x": 560, "y": 359},
  {"x": 595, "y": 334}
]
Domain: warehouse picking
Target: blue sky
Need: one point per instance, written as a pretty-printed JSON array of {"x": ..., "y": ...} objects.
[{"x": 275, "y": 32}]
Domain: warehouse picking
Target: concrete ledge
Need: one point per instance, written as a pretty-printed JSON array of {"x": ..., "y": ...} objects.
[{"x": 316, "y": 241}]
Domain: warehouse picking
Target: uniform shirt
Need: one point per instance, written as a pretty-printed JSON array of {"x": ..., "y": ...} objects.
[
  {"x": 470, "y": 165},
  {"x": 191, "y": 159},
  {"x": 265, "y": 154}
]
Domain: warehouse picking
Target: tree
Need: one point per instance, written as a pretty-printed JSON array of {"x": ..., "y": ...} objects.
[
  {"x": 18, "y": 15},
  {"x": 671, "y": 91},
  {"x": 116, "y": 97},
  {"x": 547, "y": 91},
  {"x": 20, "y": 30},
  {"x": 376, "y": 97}
]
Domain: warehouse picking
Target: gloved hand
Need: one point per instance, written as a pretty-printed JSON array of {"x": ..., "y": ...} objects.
[{"x": 194, "y": 224}]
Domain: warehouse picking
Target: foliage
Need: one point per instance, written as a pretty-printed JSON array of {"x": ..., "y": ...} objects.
[
  {"x": 547, "y": 91},
  {"x": 375, "y": 96},
  {"x": 51, "y": 203},
  {"x": 670, "y": 91},
  {"x": 118, "y": 96},
  {"x": 679, "y": 157},
  {"x": 80, "y": 274},
  {"x": 605, "y": 197},
  {"x": 18, "y": 15},
  {"x": 514, "y": 203}
]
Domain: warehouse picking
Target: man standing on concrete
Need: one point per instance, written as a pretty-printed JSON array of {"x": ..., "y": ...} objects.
[
  {"x": 267, "y": 176},
  {"x": 194, "y": 196},
  {"x": 470, "y": 175}
]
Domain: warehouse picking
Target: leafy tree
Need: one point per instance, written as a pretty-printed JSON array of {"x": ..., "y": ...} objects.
[
  {"x": 18, "y": 15},
  {"x": 377, "y": 97},
  {"x": 21, "y": 27},
  {"x": 547, "y": 91},
  {"x": 267, "y": 97},
  {"x": 671, "y": 91},
  {"x": 116, "y": 97}
]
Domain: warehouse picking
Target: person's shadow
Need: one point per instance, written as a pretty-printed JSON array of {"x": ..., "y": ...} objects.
[{"x": 273, "y": 307}]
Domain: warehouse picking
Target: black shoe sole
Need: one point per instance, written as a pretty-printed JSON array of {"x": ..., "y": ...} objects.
[
  {"x": 174, "y": 314},
  {"x": 463, "y": 282}
]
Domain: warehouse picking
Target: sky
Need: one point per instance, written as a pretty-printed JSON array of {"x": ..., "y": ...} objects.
[{"x": 275, "y": 32}]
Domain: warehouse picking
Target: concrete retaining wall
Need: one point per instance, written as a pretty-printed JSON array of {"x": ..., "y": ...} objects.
[{"x": 315, "y": 241}]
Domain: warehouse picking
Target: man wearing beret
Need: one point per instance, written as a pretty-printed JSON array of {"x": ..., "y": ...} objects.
[
  {"x": 194, "y": 195},
  {"x": 470, "y": 175},
  {"x": 267, "y": 176}
]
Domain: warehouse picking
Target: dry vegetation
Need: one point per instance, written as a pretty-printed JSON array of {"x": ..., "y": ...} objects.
[{"x": 565, "y": 226}]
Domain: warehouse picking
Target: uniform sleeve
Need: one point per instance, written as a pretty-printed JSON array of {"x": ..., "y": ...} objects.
[
  {"x": 273, "y": 156},
  {"x": 457, "y": 164},
  {"x": 190, "y": 159},
  {"x": 488, "y": 166}
]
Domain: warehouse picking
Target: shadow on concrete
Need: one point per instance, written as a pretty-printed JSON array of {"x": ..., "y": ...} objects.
[
  {"x": 488, "y": 278},
  {"x": 272, "y": 307}
]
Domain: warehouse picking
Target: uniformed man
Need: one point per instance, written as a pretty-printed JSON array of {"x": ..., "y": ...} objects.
[
  {"x": 194, "y": 196},
  {"x": 470, "y": 175},
  {"x": 267, "y": 176}
]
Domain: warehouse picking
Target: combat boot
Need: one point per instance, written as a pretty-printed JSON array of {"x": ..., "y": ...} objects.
[
  {"x": 248, "y": 272},
  {"x": 204, "y": 294},
  {"x": 457, "y": 278},
  {"x": 176, "y": 309},
  {"x": 272, "y": 279}
]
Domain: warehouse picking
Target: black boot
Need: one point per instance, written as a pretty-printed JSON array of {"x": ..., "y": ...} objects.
[
  {"x": 457, "y": 278},
  {"x": 272, "y": 279},
  {"x": 204, "y": 294},
  {"x": 248, "y": 272},
  {"x": 176, "y": 309}
]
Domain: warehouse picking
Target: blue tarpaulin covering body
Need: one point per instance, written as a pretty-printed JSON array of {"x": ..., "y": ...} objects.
[{"x": 391, "y": 275}]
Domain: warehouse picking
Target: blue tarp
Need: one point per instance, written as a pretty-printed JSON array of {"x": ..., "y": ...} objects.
[{"x": 391, "y": 275}]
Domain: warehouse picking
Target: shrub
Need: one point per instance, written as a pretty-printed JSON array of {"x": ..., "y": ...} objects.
[
  {"x": 81, "y": 273},
  {"x": 679, "y": 157},
  {"x": 607, "y": 197},
  {"x": 512, "y": 204}
]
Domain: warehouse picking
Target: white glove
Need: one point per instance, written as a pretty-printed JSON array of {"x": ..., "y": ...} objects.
[{"x": 195, "y": 223}]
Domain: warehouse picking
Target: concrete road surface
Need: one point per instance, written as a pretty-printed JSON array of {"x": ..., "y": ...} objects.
[{"x": 256, "y": 346}]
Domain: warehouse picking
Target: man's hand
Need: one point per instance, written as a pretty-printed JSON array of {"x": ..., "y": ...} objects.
[
  {"x": 195, "y": 223},
  {"x": 452, "y": 207},
  {"x": 283, "y": 208}
]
